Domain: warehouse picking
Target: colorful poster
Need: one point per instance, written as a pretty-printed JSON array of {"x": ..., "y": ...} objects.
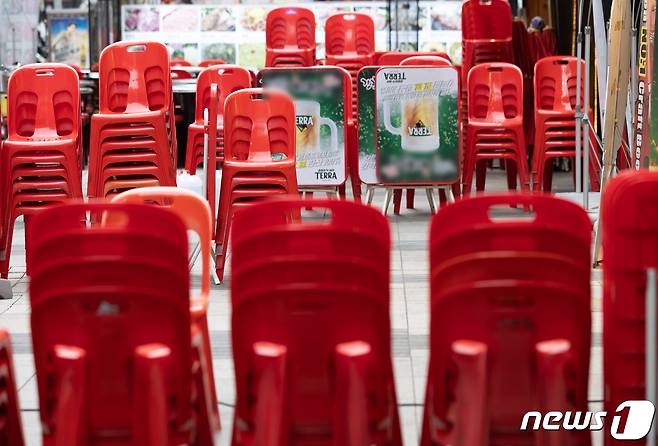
[
  {"x": 319, "y": 95},
  {"x": 417, "y": 125},
  {"x": 238, "y": 31},
  {"x": 69, "y": 37},
  {"x": 366, "y": 130}
]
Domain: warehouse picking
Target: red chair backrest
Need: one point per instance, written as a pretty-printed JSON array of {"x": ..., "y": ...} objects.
[
  {"x": 396, "y": 57},
  {"x": 486, "y": 20},
  {"x": 630, "y": 237},
  {"x": 134, "y": 77},
  {"x": 257, "y": 124},
  {"x": 495, "y": 92},
  {"x": 350, "y": 34},
  {"x": 290, "y": 27},
  {"x": 555, "y": 226},
  {"x": 229, "y": 78},
  {"x": 303, "y": 311},
  {"x": 106, "y": 296},
  {"x": 434, "y": 61},
  {"x": 11, "y": 432},
  {"x": 556, "y": 84},
  {"x": 43, "y": 102},
  {"x": 210, "y": 62}
]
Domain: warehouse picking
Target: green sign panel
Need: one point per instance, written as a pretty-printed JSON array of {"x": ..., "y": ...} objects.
[{"x": 417, "y": 125}]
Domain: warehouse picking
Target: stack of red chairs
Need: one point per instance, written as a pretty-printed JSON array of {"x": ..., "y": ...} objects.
[
  {"x": 195, "y": 213},
  {"x": 312, "y": 353},
  {"x": 259, "y": 156},
  {"x": 11, "y": 432},
  {"x": 117, "y": 358},
  {"x": 510, "y": 320},
  {"x": 495, "y": 123},
  {"x": 41, "y": 159},
  {"x": 487, "y": 33},
  {"x": 555, "y": 93},
  {"x": 629, "y": 232},
  {"x": 350, "y": 44},
  {"x": 133, "y": 137},
  {"x": 229, "y": 78},
  {"x": 290, "y": 37}
]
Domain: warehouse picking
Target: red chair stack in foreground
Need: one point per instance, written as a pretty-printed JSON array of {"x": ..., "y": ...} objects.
[
  {"x": 290, "y": 37},
  {"x": 229, "y": 78},
  {"x": 133, "y": 138},
  {"x": 41, "y": 159},
  {"x": 117, "y": 358},
  {"x": 11, "y": 432},
  {"x": 555, "y": 93},
  {"x": 629, "y": 216},
  {"x": 310, "y": 326},
  {"x": 196, "y": 215},
  {"x": 259, "y": 156},
  {"x": 495, "y": 123},
  {"x": 510, "y": 320}
]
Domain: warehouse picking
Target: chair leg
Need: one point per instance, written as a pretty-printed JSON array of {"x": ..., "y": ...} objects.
[
  {"x": 411, "y": 194},
  {"x": 71, "y": 410},
  {"x": 511, "y": 171},
  {"x": 467, "y": 181},
  {"x": 151, "y": 405},
  {"x": 397, "y": 201},
  {"x": 481, "y": 175},
  {"x": 387, "y": 200},
  {"x": 548, "y": 175}
]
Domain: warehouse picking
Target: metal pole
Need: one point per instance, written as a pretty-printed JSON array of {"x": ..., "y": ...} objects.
[
  {"x": 650, "y": 344},
  {"x": 579, "y": 115},
  {"x": 585, "y": 119},
  {"x": 204, "y": 184}
]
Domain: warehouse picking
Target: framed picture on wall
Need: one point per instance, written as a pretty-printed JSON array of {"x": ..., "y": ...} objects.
[{"x": 68, "y": 32}]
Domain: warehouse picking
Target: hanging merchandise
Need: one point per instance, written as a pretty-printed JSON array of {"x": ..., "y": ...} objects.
[{"x": 645, "y": 66}]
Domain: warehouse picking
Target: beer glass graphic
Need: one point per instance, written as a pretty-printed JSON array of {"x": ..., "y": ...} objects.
[
  {"x": 420, "y": 123},
  {"x": 308, "y": 122}
]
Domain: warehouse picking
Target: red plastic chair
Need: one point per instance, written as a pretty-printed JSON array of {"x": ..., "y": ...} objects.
[
  {"x": 500, "y": 335},
  {"x": 629, "y": 239},
  {"x": 495, "y": 122},
  {"x": 396, "y": 57},
  {"x": 210, "y": 62},
  {"x": 197, "y": 216},
  {"x": 555, "y": 89},
  {"x": 133, "y": 137},
  {"x": 486, "y": 33},
  {"x": 259, "y": 156},
  {"x": 312, "y": 355},
  {"x": 290, "y": 37},
  {"x": 11, "y": 432},
  {"x": 41, "y": 158},
  {"x": 229, "y": 78},
  {"x": 117, "y": 358}
]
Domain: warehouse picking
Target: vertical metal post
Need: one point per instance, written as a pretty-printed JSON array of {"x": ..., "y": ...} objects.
[
  {"x": 585, "y": 120},
  {"x": 579, "y": 116},
  {"x": 204, "y": 184},
  {"x": 651, "y": 307}
]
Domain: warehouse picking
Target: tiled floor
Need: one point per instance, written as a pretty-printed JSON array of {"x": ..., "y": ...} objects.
[{"x": 409, "y": 314}]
